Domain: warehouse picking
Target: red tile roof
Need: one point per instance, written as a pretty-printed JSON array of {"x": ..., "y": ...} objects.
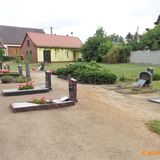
[{"x": 48, "y": 40}]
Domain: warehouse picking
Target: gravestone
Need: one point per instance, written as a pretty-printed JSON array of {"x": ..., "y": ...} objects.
[
  {"x": 73, "y": 89},
  {"x": 146, "y": 76},
  {"x": 48, "y": 80},
  {"x": 41, "y": 67},
  {"x": 20, "y": 70},
  {"x": 149, "y": 69},
  {"x": 1, "y": 63},
  {"x": 28, "y": 75}
]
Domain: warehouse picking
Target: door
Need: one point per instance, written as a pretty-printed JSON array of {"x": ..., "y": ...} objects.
[{"x": 47, "y": 56}]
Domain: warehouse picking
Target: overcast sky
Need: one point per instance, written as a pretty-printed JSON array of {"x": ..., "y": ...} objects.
[{"x": 82, "y": 17}]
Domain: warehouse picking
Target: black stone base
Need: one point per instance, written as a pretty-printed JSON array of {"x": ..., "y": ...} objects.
[
  {"x": 27, "y": 106},
  {"x": 16, "y": 92}
]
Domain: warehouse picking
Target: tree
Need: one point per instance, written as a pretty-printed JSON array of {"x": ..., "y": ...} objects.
[
  {"x": 151, "y": 39},
  {"x": 97, "y": 46},
  {"x": 100, "y": 32},
  {"x": 158, "y": 20}
]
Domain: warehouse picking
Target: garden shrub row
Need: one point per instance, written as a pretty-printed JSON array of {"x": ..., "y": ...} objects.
[{"x": 89, "y": 73}]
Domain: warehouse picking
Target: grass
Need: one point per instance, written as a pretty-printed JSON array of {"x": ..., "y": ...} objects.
[
  {"x": 130, "y": 69},
  {"x": 49, "y": 66},
  {"x": 154, "y": 126}
]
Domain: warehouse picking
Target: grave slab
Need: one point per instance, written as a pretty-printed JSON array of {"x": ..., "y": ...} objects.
[
  {"x": 28, "y": 106},
  {"x": 155, "y": 100},
  {"x": 16, "y": 92}
]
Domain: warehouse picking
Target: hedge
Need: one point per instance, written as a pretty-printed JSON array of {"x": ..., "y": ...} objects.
[{"x": 89, "y": 73}]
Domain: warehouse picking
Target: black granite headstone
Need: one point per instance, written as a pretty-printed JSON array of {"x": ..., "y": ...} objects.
[
  {"x": 48, "y": 80},
  {"x": 73, "y": 89}
]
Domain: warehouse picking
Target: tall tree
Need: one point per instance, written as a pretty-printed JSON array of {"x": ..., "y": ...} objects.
[{"x": 158, "y": 20}]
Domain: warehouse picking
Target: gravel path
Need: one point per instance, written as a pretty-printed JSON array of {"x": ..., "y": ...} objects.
[{"x": 104, "y": 125}]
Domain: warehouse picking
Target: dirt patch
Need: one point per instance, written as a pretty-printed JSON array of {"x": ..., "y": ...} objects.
[{"x": 104, "y": 125}]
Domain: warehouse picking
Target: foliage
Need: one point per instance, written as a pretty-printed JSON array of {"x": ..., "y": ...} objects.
[
  {"x": 39, "y": 101},
  {"x": 158, "y": 20},
  {"x": 150, "y": 39},
  {"x": 7, "y": 79},
  {"x": 21, "y": 79},
  {"x": 97, "y": 46},
  {"x": 117, "y": 54},
  {"x": 156, "y": 77},
  {"x": 24, "y": 86},
  {"x": 133, "y": 41},
  {"x": 154, "y": 126},
  {"x": 127, "y": 77},
  {"x": 90, "y": 73},
  {"x": 1, "y": 54},
  {"x": 17, "y": 59}
]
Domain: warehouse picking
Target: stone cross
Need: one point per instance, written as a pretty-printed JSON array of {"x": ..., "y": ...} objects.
[
  {"x": 73, "y": 89},
  {"x": 48, "y": 80},
  {"x": 28, "y": 75}
]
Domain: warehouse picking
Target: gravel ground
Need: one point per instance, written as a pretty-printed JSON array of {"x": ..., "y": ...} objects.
[{"x": 104, "y": 125}]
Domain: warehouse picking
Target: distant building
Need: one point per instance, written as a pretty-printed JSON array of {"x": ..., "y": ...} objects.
[
  {"x": 12, "y": 38},
  {"x": 40, "y": 47}
]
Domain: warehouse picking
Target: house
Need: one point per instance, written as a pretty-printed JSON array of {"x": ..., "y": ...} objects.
[
  {"x": 12, "y": 38},
  {"x": 40, "y": 47}
]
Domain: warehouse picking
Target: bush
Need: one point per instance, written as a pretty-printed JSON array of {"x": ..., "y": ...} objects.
[
  {"x": 156, "y": 77},
  {"x": 89, "y": 73},
  {"x": 117, "y": 54},
  {"x": 21, "y": 79},
  {"x": 7, "y": 79}
]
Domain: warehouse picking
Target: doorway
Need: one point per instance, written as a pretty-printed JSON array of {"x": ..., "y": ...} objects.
[{"x": 47, "y": 56}]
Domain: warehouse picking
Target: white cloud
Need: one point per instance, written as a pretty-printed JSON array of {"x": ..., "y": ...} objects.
[{"x": 81, "y": 17}]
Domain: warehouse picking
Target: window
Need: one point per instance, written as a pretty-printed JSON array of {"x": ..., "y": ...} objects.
[
  {"x": 67, "y": 53},
  {"x": 28, "y": 43}
]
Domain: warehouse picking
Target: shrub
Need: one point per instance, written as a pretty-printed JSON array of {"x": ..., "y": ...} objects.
[
  {"x": 7, "y": 79},
  {"x": 156, "y": 77},
  {"x": 21, "y": 79},
  {"x": 117, "y": 54},
  {"x": 89, "y": 73}
]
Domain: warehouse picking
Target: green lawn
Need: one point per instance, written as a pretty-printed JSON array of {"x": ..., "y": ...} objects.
[
  {"x": 118, "y": 69},
  {"x": 50, "y": 66},
  {"x": 132, "y": 70}
]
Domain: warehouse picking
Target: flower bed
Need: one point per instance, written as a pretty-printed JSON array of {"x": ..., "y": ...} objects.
[
  {"x": 25, "y": 86},
  {"x": 41, "y": 100}
]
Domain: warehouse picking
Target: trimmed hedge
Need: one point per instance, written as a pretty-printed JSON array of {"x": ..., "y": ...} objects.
[{"x": 89, "y": 73}]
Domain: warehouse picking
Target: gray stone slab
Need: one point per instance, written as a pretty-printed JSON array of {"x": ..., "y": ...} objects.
[
  {"x": 16, "y": 92},
  {"x": 28, "y": 106},
  {"x": 155, "y": 100}
]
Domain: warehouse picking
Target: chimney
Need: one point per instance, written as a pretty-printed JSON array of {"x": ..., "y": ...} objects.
[{"x": 51, "y": 30}]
